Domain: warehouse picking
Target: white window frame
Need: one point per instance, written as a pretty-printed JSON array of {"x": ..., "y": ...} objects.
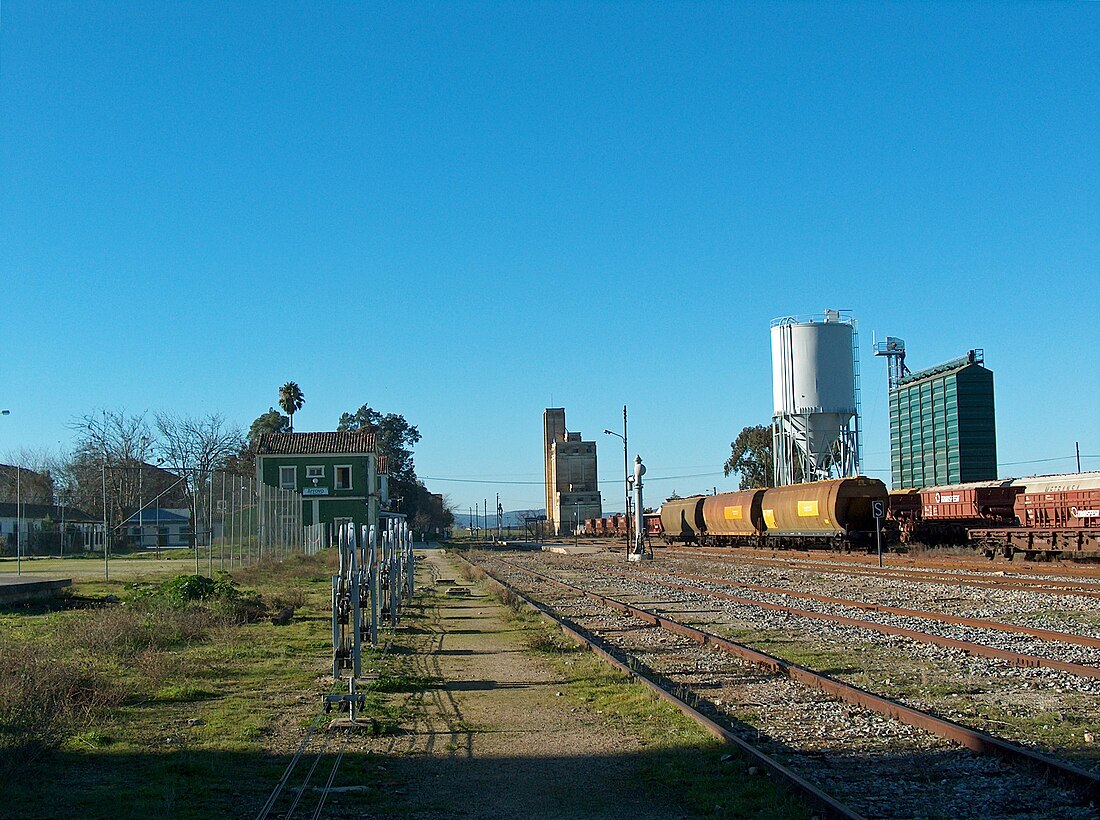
[
  {"x": 337, "y": 522},
  {"x": 315, "y": 471},
  {"x": 282, "y": 481},
  {"x": 336, "y": 476}
]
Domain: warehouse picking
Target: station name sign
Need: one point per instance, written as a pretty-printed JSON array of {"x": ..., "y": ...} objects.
[{"x": 315, "y": 491}]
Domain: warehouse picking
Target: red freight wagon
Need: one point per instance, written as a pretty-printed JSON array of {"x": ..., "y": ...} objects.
[
  {"x": 981, "y": 502},
  {"x": 1062, "y": 501},
  {"x": 617, "y": 524},
  {"x": 652, "y": 521}
]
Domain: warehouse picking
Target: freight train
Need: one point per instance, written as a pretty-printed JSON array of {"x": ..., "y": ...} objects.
[
  {"x": 1039, "y": 517},
  {"x": 613, "y": 526},
  {"x": 837, "y": 514}
]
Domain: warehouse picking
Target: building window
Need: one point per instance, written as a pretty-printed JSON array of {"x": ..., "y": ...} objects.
[
  {"x": 288, "y": 478},
  {"x": 343, "y": 476},
  {"x": 316, "y": 471},
  {"x": 337, "y": 523}
]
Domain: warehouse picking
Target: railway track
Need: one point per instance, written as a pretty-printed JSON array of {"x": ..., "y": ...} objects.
[
  {"x": 929, "y": 561},
  {"x": 980, "y": 623},
  {"x": 1082, "y": 588},
  {"x": 860, "y": 749},
  {"x": 970, "y": 647}
]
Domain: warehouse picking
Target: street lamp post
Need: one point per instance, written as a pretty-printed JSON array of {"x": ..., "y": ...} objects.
[{"x": 626, "y": 476}]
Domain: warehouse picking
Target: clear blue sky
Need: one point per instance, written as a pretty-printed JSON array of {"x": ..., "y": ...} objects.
[{"x": 465, "y": 212}]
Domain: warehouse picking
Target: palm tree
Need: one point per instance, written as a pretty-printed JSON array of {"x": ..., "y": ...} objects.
[{"x": 291, "y": 400}]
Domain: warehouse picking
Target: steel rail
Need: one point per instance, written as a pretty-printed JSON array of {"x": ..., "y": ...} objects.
[
  {"x": 331, "y": 777},
  {"x": 302, "y": 788},
  {"x": 1035, "y": 632},
  {"x": 969, "y": 738},
  {"x": 1089, "y": 571},
  {"x": 1081, "y": 588},
  {"x": 265, "y": 810},
  {"x": 810, "y": 793},
  {"x": 981, "y": 650}
]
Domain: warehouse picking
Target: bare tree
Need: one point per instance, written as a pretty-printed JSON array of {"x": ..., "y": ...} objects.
[
  {"x": 197, "y": 443},
  {"x": 106, "y": 467},
  {"x": 195, "y": 447}
]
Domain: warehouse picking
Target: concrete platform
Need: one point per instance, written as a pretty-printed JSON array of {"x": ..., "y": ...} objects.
[
  {"x": 566, "y": 550},
  {"x": 23, "y": 589}
]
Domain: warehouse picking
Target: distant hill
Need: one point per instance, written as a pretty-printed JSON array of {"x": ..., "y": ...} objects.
[{"x": 512, "y": 518}]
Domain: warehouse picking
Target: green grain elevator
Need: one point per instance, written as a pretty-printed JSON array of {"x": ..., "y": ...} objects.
[{"x": 942, "y": 428}]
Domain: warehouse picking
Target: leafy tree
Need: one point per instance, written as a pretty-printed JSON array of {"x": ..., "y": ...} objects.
[
  {"x": 270, "y": 422},
  {"x": 291, "y": 400},
  {"x": 752, "y": 458},
  {"x": 394, "y": 439}
]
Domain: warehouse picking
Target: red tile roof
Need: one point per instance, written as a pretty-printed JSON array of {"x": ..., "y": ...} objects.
[{"x": 310, "y": 444}]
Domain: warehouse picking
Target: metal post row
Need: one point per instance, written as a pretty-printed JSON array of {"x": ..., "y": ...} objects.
[{"x": 375, "y": 577}]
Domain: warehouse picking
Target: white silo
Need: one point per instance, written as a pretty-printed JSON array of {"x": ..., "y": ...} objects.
[{"x": 815, "y": 386}]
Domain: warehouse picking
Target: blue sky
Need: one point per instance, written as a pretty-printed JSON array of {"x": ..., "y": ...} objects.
[{"x": 468, "y": 212}]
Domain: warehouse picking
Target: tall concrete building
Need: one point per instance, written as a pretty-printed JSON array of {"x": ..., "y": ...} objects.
[
  {"x": 572, "y": 494},
  {"x": 942, "y": 427}
]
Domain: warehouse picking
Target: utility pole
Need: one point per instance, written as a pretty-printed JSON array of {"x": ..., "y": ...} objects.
[
  {"x": 626, "y": 476},
  {"x": 18, "y": 522},
  {"x": 106, "y": 551},
  {"x": 1077, "y": 446},
  {"x": 626, "y": 473}
]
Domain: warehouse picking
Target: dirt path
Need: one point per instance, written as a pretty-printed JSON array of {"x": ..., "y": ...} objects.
[{"x": 498, "y": 740}]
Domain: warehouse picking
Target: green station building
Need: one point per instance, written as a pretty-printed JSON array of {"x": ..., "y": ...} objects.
[
  {"x": 942, "y": 428},
  {"x": 336, "y": 474}
]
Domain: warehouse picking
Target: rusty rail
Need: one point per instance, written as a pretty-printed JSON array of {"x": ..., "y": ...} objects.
[
  {"x": 1084, "y": 588},
  {"x": 964, "y": 736},
  {"x": 980, "y": 650},
  {"x": 1035, "y": 632}
]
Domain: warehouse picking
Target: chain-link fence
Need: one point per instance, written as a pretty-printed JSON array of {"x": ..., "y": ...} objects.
[
  {"x": 226, "y": 519},
  {"x": 317, "y": 538}
]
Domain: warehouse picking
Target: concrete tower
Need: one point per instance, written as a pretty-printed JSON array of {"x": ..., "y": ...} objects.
[{"x": 572, "y": 493}]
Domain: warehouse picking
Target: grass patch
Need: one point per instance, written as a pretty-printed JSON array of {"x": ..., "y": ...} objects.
[
  {"x": 170, "y": 697},
  {"x": 391, "y": 683},
  {"x": 182, "y": 694}
]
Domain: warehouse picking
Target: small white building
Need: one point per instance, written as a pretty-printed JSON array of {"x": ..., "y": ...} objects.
[
  {"x": 159, "y": 527},
  {"x": 46, "y": 528}
]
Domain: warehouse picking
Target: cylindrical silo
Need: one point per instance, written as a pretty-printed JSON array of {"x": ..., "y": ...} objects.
[{"x": 814, "y": 392}]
